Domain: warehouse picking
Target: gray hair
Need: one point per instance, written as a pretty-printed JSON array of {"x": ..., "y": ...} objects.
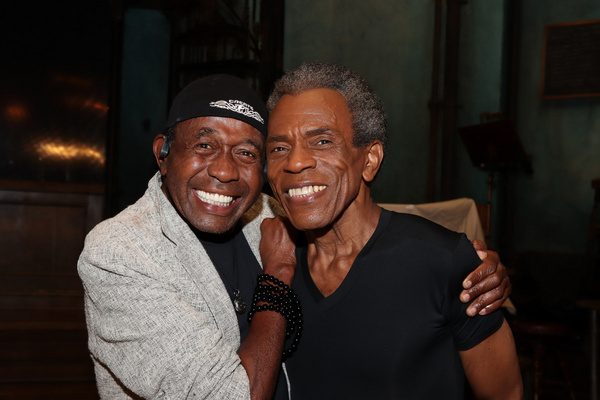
[{"x": 368, "y": 116}]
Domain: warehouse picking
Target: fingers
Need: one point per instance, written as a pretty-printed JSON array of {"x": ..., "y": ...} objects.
[
  {"x": 490, "y": 261},
  {"x": 478, "y": 245},
  {"x": 491, "y": 283},
  {"x": 489, "y": 266},
  {"x": 489, "y": 286},
  {"x": 488, "y": 295},
  {"x": 479, "y": 304}
]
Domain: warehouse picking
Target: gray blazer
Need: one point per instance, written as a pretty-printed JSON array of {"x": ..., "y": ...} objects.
[{"x": 160, "y": 322}]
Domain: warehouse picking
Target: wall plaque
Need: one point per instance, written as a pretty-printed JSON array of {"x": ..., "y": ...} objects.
[{"x": 571, "y": 60}]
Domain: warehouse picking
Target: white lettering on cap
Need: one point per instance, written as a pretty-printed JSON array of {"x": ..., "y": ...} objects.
[{"x": 239, "y": 107}]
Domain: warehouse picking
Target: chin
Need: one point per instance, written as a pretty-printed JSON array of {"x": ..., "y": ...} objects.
[
  {"x": 214, "y": 227},
  {"x": 308, "y": 224}
]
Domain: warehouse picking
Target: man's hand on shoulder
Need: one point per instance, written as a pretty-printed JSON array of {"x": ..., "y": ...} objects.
[{"x": 488, "y": 284}]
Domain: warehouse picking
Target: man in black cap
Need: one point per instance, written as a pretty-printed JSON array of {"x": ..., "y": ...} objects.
[
  {"x": 169, "y": 282},
  {"x": 159, "y": 304}
]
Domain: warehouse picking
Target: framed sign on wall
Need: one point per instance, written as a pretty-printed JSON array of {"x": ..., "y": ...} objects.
[{"x": 571, "y": 60}]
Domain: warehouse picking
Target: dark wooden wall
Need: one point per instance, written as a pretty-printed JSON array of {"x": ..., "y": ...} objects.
[{"x": 43, "y": 338}]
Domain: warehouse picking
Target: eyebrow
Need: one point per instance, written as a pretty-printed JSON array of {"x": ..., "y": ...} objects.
[
  {"x": 257, "y": 146},
  {"x": 202, "y": 132},
  {"x": 309, "y": 133},
  {"x": 275, "y": 138}
]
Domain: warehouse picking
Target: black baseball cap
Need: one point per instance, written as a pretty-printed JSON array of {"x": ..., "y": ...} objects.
[{"x": 219, "y": 95}]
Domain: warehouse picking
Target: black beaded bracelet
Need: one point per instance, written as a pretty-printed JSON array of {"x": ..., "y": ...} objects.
[{"x": 274, "y": 295}]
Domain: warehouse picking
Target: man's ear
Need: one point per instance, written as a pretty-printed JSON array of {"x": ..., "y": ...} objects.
[
  {"x": 161, "y": 151},
  {"x": 374, "y": 158}
]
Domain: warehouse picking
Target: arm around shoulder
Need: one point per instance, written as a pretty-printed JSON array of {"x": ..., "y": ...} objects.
[{"x": 492, "y": 367}]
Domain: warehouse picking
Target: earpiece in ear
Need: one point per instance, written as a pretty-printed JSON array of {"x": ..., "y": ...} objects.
[{"x": 165, "y": 149}]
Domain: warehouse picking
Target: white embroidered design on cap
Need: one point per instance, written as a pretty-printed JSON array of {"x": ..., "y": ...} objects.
[{"x": 239, "y": 107}]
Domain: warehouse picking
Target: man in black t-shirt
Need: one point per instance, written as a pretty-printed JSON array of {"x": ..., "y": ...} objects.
[{"x": 379, "y": 290}]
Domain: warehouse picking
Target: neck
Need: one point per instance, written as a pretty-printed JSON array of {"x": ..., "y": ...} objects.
[
  {"x": 332, "y": 250},
  {"x": 351, "y": 230},
  {"x": 337, "y": 245}
]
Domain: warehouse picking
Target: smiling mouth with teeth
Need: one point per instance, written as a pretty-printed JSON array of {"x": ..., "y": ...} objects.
[
  {"x": 214, "y": 198},
  {"x": 305, "y": 191}
]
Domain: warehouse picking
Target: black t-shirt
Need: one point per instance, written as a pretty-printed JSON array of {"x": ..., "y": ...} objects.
[
  {"x": 238, "y": 269},
  {"x": 393, "y": 327}
]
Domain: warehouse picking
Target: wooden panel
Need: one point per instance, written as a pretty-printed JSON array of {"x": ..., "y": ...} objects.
[
  {"x": 45, "y": 364},
  {"x": 41, "y": 238},
  {"x": 43, "y": 227},
  {"x": 42, "y": 282},
  {"x": 43, "y": 232},
  {"x": 43, "y": 337}
]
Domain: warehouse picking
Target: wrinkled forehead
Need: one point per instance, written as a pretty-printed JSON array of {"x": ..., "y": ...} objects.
[{"x": 310, "y": 107}]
